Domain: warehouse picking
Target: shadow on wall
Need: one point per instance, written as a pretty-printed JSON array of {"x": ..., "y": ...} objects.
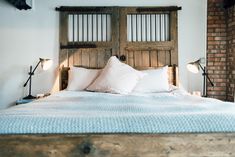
[{"x": 11, "y": 82}]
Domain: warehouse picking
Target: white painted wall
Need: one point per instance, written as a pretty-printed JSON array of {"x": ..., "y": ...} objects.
[{"x": 27, "y": 35}]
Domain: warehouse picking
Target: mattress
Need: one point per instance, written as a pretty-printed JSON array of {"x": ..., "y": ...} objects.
[{"x": 70, "y": 112}]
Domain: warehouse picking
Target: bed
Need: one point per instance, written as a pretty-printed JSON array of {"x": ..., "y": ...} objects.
[
  {"x": 69, "y": 123},
  {"x": 168, "y": 124}
]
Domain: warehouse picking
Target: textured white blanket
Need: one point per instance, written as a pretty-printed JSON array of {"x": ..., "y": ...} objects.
[{"x": 89, "y": 112}]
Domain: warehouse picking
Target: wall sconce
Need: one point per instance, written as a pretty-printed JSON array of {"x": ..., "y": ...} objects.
[
  {"x": 45, "y": 64},
  {"x": 194, "y": 67}
]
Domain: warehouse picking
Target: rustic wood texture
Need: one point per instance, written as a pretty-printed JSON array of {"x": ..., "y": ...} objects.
[
  {"x": 167, "y": 50},
  {"x": 119, "y": 145},
  {"x": 138, "y": 54}
]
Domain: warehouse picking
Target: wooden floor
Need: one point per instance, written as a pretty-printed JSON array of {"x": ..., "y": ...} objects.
[{"x": 119, "y": 145}]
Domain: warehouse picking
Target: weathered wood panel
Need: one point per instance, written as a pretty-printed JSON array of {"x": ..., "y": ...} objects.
[
  {"x": 93, "y": 59},
  {"x": 119, "y": 145},
  {"x": 174, "y": 37},
  {"x": 138, "y": 54}
]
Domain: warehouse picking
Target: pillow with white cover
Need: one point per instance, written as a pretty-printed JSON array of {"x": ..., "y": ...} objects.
[
  {"x": 116, "y": 77},
  {"x": 81, "y": 78},
  {"x": 156, "y": 80}
]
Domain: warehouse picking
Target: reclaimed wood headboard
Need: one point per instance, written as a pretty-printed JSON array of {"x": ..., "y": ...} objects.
[{"x": 143, "y": 37}]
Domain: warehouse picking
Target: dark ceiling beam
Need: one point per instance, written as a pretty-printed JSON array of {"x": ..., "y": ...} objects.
[
  {"x": 228, "y": 3},
  {"x": 19, "y": 4}
]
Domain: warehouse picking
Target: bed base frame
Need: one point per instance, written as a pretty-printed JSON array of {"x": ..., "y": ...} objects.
[{"x": 119, "y": 145}]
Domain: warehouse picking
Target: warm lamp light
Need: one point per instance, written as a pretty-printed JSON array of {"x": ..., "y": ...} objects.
[
  {"x": 194, "y": 67},
  {"x": 45, "y": 64}
]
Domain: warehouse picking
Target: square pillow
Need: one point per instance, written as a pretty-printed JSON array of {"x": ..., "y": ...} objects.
[
  {"x": 116, "y": 77},
  {"x": 156, "y": 80},
  {"x": 81, "y": 78}
]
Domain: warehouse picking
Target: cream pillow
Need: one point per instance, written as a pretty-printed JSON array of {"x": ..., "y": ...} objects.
[
  {"x": 116, "y": 77},
  {"x": 81, "y": 78},
  {"x": 156, "y": 80}
]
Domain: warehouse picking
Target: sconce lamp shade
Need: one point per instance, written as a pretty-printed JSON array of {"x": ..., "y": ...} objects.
[
  {"x": 45, "y": 63},
  {"x": 194, "y": 66}
]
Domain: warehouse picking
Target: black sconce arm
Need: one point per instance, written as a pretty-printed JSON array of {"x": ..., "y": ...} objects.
[
  {"x": 32, "y": 72},
  {"x": 206, "y": 74}
]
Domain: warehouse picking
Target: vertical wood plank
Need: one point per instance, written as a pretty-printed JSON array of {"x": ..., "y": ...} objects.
[
  {"x": 174, "y": 37},
  {"x": 161, "y": 58},
  {"x": 123, "y": 30},
  {"x": 145, "y": 58},
  {"x": 63, "y": 35},
  {"x": 93, "y": 58},
  {"x": 70, "y": 58},
  {"x": 116, "y": 27},
  {"x": 101, "y": 59},
  {"x": 85, "y": 57},
  {"x": 153, "y": 56},
  {"x": 63, "y": 58},
  {"x": 130, "y": 58},
  {"x": 138, "y": 58},
  {"x": 167, "y": 59},
  {"x": 77, "y": 58}
]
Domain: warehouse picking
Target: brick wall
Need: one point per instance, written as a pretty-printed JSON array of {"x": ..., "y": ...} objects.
[
  {"x": 230, "y": 52},
  {"x": 220, "y": 50},
  {"x": 216, "y": 49}
]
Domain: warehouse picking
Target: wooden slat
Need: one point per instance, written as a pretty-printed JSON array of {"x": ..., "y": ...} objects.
[
  {"x": 138, "y": 58},
  {"x": 85, "y": 58},
  {"x": 145, "y": 58},
  {"x": 153, "y": 56},
  {"x": 63, "y": 58},
  {"x": 167, "y": 58},
  {"x": 115, "y": 31},
  {"x": 130, "y": 58},
  {"x": 93, "y": 59},
  {"x": 101, "y": 59},
  {"x": 63, "y": 38},
  {"x": 174, "y": 37},
  {"x": 166, "y": 45},
  {"x": 161, "y": 58},
  {"x": 77, "y": 58},
  {"x": 70, "y": 58}
]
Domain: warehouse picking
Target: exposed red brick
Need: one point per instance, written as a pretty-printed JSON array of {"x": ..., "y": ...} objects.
[{"x": 221, "y": 50}]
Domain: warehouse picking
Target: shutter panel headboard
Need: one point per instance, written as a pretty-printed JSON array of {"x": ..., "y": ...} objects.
[{"x": 143, "y": 37}]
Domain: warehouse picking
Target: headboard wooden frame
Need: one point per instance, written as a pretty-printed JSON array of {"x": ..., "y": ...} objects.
[{"x": 138, "y": 54}]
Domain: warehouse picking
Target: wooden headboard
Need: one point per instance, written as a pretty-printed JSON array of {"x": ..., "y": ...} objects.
[{"x": 143, "y": 37}]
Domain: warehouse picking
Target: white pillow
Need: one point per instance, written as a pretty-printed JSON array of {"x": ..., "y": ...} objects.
[
  {"x": 156, "y": 80},
  {"x": 116, "y": 77},
  {"x": 81, "y": 78}
]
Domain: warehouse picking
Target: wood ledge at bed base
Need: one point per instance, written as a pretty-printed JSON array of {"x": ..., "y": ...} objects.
[{"x": 119, "y": 145}]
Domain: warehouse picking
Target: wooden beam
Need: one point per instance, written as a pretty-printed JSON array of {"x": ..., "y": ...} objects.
[
  {"x": 153, "y": 9},
  {"x": 119, "y": 145},
  {"x": 76, "y": 46},
  {"x": 83, "y": 9}
]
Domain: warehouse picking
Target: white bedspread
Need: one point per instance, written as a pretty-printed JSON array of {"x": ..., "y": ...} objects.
[{"x": 90, "y": 112}]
